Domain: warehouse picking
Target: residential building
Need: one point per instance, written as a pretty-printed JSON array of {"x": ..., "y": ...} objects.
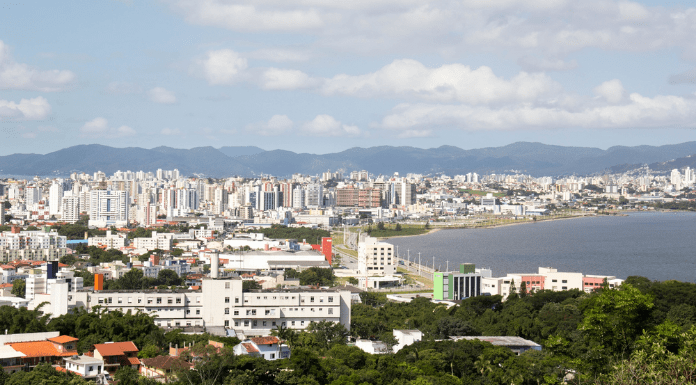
[
  {"x": 117, "y": 355},
  {"x": 70, "y": 208},
  {"x": 376, "y": 258},
  {"x": 89, "y": 368},
  {"x": 268, "y": 348},
  {"x": 406, "y": 337},
  {"x": 109, "y": 241},
  {"x": 518, "y": 345},
  {"x": 31, "y": 245},
  {"x": 109, "y": 208}
]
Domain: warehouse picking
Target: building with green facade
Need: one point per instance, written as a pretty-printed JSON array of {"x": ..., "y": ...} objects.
[{"x": 457, "y": 285}]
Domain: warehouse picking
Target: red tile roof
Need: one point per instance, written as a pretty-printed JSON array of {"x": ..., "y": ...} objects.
[
  {"x": 265, "y": 340},
  {"x": 37, "y": 349},
  {"x": 115, "y": 348},
  {"x": 250, "y": 348},
  {"x": 133, "y": 361},
  {"x": 63, "y": 339}
]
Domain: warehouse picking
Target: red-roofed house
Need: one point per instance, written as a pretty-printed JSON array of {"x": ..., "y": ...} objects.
[
  {"x": 268, "y": 348},
  {"x": 52, "y": 350},
  {"x": 162, "y": 368},
  {"x": 117, "y": 354}
]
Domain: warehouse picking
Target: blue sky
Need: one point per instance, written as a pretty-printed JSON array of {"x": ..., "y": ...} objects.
[{"x": 322, "y": 76}]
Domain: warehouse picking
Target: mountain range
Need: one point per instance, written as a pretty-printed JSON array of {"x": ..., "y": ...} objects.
[{"x": 536, "y": 159}]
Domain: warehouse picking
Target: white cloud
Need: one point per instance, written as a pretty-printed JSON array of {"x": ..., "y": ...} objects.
[
  {"x": 533, "y": 64},
  {"x": 326, "y": 125},
  {"x": 277, "y": 125},
  {"x": 170, "y": 131},
  {"x": 27, "y": 109},
  {"x": 636, "y": 111},
  {"x": 549, "y": 29},
  {"x": 248, "y": 17},
  {"x": 161, "y": 95},
  {"x": 612, "y": 91},
  {"x": 452, "y": 82},
  {"x": 222, "y": 66},
  {"x": 99, "y": 127},
  {"x": 19, "y": 76},
  {"x": 284, "y": 79}
]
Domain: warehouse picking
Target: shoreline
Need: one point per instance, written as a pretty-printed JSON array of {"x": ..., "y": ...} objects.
[{"x": 436, "y": 229}]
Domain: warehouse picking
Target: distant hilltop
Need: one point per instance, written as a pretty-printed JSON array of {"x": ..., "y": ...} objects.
[{"x": 536, "y": 159}]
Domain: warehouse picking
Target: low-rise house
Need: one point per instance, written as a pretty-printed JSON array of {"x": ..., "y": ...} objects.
[
  {"x": 51, "y": 350},
  {"x": 84, "y": 366},
  {"x": 406, "y": 337},
  {"x": 518, "y": 345},
  {"x": 10, "y": 359},
  {"x": 163, "y": 368},
  {"x": 372, "y": 347},
  {"x": 117, "y": 355},
  {"x": 268, "y": 348}
]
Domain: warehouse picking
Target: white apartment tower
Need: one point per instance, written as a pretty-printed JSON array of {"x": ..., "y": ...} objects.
[
  {"x": 70, "y": 208},
  {"x": 32, "y": 195},
  {"x": 108, "y": 208},
  {"x": 55, "y": 198}
]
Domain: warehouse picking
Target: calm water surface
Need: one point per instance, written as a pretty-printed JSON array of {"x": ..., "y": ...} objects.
[{"x": 660, "y": 246}]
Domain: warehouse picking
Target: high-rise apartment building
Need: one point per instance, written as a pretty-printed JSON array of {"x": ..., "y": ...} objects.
[{"x": 108, "y": 208}]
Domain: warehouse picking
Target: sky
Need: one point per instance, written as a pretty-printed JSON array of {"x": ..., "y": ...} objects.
[{"x": 321, "y": 76}]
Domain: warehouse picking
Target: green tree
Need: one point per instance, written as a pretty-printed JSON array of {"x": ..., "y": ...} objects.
[
  {"x": 328, "y": 333},
  {"x": 19, "y": 287},
  {"x": 250, "y": 284},
  {"x": 353, "y": 280},
  {"x": 616, "y": 317},
  {"x": 169, "y": 277},
  {"x": 398, "y": 227}
]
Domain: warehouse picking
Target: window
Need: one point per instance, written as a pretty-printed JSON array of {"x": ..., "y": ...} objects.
[
  {"x": 321, "y": 299},
  {"x": 564, "y": 281},
  {"x": 227, "y": 310},
  {"x": 246, "y": 322},
  {"x": 227, "y": 285},
  {"x": 236, "y": 312},
  {"x": 254, "y": 323},
  {"x": 311, "y": 299},
  {"x": 178, "y": 300},
  {"x": 293, "y": 323},
  {"x": 272, "y": 356},
  {"x": 227, "y": 299},
  {"x": 188, "y": 311},
  {"x": 330, "y": 299},
  {"x": 140, "y": 300},
  {"x": 301, "y": 323},
  {"x": 236, "y": 299},
  {"x": 227, "y": 323},
  {"x": 268, "y": 312},
  {"x": 274, "y": 323},
  {"x": 236, "y": 323},
  {"x": 553, "y": 280},
  {"x": 564, "y": 288},
  {"x": 159, "y": 299},
  {"x": 330, "y": 310},
  {"x": 198, "y": 311},
  {"x": 130, "y": 300},
  {"x": 264, "y": 323},
  {"x": 170, "y": 300}
]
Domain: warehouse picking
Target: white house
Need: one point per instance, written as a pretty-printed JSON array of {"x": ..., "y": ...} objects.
[
  {"x": 406, "y": 337},
  {"x": 268, "y": 348},
  {"x": 85, "y": 366}
]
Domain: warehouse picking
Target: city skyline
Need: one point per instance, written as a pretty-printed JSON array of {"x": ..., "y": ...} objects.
[{"x": 321, "y": 77}]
